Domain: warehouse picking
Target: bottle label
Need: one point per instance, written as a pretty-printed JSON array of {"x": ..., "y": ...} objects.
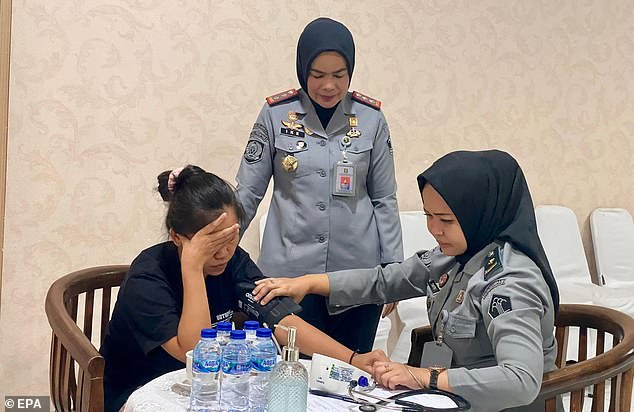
[
  {"x": 207, "y": 366},
  {"x": 263, "y": 365},
  {"x": 235, "y": 368}
]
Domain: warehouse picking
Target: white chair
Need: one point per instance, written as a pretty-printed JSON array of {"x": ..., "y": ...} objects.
[
  {"x": 410, "y": 313},
  {"x": 613, "y": 240},
  {"x": 559, "y": 232},
  {"x": 262, "y": 225},
  {"x": 415, "y": 234}
]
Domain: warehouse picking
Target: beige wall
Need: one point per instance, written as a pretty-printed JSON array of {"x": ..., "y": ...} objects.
[{"x": 106, "y": 94}]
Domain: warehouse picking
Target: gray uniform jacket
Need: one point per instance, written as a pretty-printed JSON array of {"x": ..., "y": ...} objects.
[
  {"x": 500, "y": 322},
  {"x": 308, "y": 229}
]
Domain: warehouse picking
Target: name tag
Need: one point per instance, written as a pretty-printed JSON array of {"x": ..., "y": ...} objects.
[{"x": 344, "y": 182}]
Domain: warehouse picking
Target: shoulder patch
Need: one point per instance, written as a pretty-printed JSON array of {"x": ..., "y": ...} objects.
[
  {"x": 367, "y": 100},
  {"x": 492, "y": 263},
  {"x": 491, "y": 286},
  {"x": 499, "y": 305},
  {"x": 281, "y": 97},
  {"x": 426, "y": 258},
  {"x": 253, "y": 152}
]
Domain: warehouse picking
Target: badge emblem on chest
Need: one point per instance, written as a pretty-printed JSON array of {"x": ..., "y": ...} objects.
[
  {"x": 353, "y": 132},
  {"x": 460, "y": 296},
  {"x": 289, "y": 163},
  {"x": 443, "y": 279},
  {"x": 293, "y": 128}
]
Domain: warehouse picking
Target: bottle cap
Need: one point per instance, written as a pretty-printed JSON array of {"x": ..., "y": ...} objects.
[
  {"x": 263, "y": 333},
  {"x": 224, "y": 326},
  {"x": 237, "y": 334},
  {"x": 208, "y": 333},
  {"x": 251, "y": 325}
]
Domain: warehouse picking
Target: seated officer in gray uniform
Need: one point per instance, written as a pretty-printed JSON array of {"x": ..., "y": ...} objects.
[
  {"x": 334, "y": 204},
  {"x": 492, "y": 297}
]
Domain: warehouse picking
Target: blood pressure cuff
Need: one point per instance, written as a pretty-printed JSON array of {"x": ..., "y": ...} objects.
[{"x": 271, "y": 313}]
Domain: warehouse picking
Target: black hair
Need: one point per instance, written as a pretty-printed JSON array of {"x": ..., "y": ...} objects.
[{"x": 196, "y": 199}]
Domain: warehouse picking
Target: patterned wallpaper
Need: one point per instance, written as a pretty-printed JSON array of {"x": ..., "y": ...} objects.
[{"x": 105, "y": 94}]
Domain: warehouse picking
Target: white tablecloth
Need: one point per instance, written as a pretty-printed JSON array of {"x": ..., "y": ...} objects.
[{"x": 170, "y": 393}]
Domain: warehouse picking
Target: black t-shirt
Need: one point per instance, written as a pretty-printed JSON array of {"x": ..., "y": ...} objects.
[{"x": 148, "y": 310}]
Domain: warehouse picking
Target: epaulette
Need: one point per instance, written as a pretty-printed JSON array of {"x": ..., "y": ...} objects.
[
  {"x": 367, "y": 100},
  {"x": 281, "y": 97},
  {"x": 492, "y": 263}
]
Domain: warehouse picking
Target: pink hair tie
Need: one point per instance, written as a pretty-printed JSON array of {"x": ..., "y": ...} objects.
[{"x": 171, "y": 181}]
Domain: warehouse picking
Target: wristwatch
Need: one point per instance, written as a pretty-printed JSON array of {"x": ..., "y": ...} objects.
[{"x": 434, "y": 371}]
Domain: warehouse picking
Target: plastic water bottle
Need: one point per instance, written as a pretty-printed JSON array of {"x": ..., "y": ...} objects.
[
  {"x": 205, "y": 367},
  {"x": 235, "y": 365},
  {"x": 250, "y": 326},
  {"x": 263, "y": 359},
  {"x": 224, "y": 329}
]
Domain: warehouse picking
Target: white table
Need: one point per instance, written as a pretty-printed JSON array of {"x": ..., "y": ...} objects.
[{"x": 170, "y": 393}]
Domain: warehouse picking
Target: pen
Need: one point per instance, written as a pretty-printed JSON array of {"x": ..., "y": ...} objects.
[{"x": 333, "y": 395}]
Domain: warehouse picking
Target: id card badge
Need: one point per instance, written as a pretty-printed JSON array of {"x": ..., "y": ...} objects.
[
  {"x": 436, "y": 354},
  {"x": 344, "y": 182}
]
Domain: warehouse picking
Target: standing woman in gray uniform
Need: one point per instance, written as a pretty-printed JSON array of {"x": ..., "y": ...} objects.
[
  {"x": 334, "y": 201},
  {"x": 491, "y": 294}
]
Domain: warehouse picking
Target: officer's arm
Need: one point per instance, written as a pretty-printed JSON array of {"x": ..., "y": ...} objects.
[
  {"x": 256, "y": 166},
  {"x": 514, "y": 328},
  {"x": 282, "y": 310},
  {"x": 381, "y": 183},
  {"x": 381, "y": 284}
]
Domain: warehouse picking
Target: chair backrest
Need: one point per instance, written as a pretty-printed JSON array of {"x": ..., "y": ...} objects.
[
  {"x": 615, "y": 363},
  {"x": 559, "y": 232},
  {"x": 613, "y": 240},
  {"x": 76, "y": 367},
  {"x": 415, "y": 234}
]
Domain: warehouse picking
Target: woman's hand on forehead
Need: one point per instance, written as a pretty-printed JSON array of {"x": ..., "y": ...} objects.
[{"x": 215, "y": 237}]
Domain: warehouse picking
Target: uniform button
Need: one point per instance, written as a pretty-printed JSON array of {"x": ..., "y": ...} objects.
[
  {"x": 322, "y": 143},
  {"x": 322, "y": 238},
  {"x": 322, "y": 173},
  {"x": 321, "y": 206},
  {"x": 453, "y": 329}
]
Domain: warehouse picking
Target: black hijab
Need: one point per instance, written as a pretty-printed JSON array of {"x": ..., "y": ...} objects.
[
  {"x": 321, "y": 35},
  {"x": 489, "y": 195}
]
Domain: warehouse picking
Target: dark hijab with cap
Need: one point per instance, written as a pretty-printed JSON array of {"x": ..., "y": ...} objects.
[
  {"x": 489, "y": 195},
  {"x": 322, "y": 35}
]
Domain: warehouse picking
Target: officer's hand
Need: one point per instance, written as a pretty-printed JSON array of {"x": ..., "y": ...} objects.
[
  {"x": 365, "y": 361},
  {"x": 388, "y": 308},
  {"x": 267, "y": 289},
  {"x": 201, "y": 249},
  {"x": 393, "y": 374}
]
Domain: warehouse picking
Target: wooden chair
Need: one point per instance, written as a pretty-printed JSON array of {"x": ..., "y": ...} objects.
[
  {"x": 77, "y": 368},
  {"x": 615, "y": 364}
]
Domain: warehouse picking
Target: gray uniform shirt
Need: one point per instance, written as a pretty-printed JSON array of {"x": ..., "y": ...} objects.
[
  {"x": 308, "y": 229},
  {"x": 500, "y": 322}
]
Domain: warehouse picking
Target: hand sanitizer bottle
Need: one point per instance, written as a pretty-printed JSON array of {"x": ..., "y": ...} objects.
[{"x": 288, "y": 384}]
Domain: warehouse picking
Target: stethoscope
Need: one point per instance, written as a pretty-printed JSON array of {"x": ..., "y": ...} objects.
[{"x": 403, "y": 405}]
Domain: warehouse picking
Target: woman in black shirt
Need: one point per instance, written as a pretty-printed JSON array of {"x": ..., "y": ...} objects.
[{"x": 198, "y": 278}]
